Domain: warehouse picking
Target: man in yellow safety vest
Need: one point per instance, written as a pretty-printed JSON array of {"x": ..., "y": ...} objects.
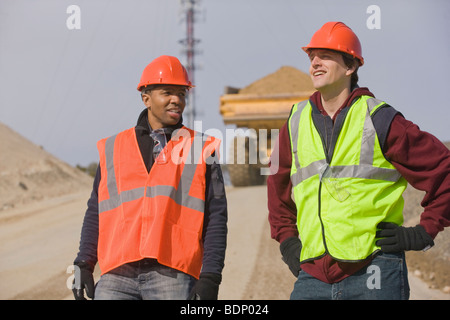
[{"x": 346, "y": 158}]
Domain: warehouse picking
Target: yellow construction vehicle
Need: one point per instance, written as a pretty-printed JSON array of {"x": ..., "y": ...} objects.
[{"x": 258, "y": 111}]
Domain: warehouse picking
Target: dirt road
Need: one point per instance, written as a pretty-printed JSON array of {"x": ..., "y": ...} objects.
[{"x": 38, "y": 243}]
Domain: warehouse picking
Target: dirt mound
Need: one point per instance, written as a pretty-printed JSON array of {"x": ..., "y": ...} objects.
[
  {"x": 28, "y": 173},
  {"x": 284, "y": 80}
]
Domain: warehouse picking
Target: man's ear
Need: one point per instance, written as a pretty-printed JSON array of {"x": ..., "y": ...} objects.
[
  {"x": 146, "y": 99},
  {"x": 351, "y": 69}
]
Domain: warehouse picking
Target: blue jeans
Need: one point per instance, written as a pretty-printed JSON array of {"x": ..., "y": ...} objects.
[
  {"x": 144, "y": 280},
  {"x": 385, "y": 278}
]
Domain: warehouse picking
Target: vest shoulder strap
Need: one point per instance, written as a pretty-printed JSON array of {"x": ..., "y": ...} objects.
[
  {"x": 293, "y": 121},
  {"x": 382, "y": 119}
]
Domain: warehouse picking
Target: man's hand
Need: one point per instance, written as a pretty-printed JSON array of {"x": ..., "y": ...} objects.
[
  {"x": 290, "y": 251},
  {"x": 84, "y": 280},
  {"x": 395, "y": 238},
  {"x": 206, "y": 287}
]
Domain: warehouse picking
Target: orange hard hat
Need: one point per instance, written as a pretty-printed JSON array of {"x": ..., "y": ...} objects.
[
  {"x": 165, "y": 70},
  {"x": 336, "y": 36}
]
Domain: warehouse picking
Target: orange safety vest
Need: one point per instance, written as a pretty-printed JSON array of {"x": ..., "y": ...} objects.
[{"x": 156, "y": 214}]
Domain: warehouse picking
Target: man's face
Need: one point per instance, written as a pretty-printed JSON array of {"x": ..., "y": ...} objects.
[
  {"x": 328, "y": 70},
  {"x": 165, "y": 105}
]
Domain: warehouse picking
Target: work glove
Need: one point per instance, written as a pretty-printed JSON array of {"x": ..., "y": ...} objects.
[
  {"x": 290, "y": 251},
  {"x": 206, "y": 287},
  {"x": 396, "y": 238},
  {"x": 84, "y": 280}
]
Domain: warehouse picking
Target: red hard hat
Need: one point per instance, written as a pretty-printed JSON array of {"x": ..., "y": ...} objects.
[
  {"x": 165, "y": 70},
  {"x": 336, "y": 36}
]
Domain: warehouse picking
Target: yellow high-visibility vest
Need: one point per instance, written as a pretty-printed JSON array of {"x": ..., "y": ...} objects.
[{"x": 341, "y": 201}]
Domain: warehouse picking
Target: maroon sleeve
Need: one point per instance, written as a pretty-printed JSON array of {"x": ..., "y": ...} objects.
[
  {"x": 282, "y": 210},
  {"x": 424, "y": 162}
]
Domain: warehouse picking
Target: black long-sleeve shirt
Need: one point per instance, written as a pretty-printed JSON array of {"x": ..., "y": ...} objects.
[{"x": 215, "y": 219}]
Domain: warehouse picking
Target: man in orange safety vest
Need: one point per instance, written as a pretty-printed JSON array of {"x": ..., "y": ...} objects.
[{"x": 156, "y": 221}]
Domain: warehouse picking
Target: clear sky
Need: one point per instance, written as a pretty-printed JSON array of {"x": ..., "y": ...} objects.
[{"x": 64, "y": 89}]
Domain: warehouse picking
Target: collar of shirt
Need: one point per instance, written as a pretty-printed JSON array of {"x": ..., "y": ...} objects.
[{"x": 316, "y": 100}]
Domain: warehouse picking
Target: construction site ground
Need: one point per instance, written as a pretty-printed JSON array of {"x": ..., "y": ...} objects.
[{"x": 39, "y": 240}]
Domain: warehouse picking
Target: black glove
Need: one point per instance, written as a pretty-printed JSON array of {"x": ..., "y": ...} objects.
[
  {"x": 290, "y": 250},
  {"x": 396, "y": 238},
  {"x": 206, "y": 287},
  {"x": 84, "y": 280}
]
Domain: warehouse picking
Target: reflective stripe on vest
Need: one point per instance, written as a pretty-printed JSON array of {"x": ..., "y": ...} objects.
[
  {"x": 179, "y": 194},
  {"x": 364, "y": 170}
]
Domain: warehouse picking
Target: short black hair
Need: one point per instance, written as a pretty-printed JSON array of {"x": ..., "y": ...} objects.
[
  {"x": 351, "y": 61},
  {"x": 150, "y": 87}
]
